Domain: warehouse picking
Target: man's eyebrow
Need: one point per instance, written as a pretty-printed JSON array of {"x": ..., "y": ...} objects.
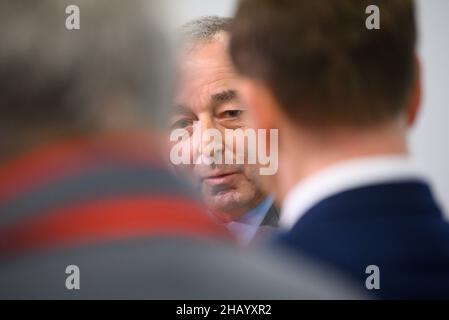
[{"x": 224, "y": 96}]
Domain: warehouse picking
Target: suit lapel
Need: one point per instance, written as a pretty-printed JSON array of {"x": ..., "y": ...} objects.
[{"x": 272, "y": 217}]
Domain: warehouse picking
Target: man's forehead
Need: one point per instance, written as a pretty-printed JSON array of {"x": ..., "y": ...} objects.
[
  {"x": 219, "y": 40},
  {"x": 206, "y": 76},
  {"x": 213, "y": 100},
  {"x": 210, "y": 52}
]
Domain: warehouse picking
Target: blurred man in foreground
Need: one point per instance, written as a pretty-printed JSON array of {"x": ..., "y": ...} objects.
[
  {"x": 86, "y": 208},
  {"x": 207, "y": 91},
  {"x": 343, "y": 97}
]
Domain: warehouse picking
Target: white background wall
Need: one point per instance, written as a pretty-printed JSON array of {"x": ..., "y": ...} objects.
[{"x": 429, "y": 140}]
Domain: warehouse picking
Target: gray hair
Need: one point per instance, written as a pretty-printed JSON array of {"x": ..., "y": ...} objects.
[
  {"x": 204, "y": 29},
  {"x": 53, "y": 76}
]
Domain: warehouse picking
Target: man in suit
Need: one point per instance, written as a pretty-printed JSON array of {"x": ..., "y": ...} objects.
[
  {"x": 208, "y": 92},
  {"x": 88, "y": 209},
  {"x": 343, "y": 95}
]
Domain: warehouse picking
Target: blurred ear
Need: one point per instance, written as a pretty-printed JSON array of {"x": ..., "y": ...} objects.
[
  {"x": 262, "y": 106},
  {"x": 415, "y": 96}
]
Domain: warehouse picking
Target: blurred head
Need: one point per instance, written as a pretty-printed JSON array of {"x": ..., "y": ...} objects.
[
  {"x": 208, "y": 91},
  {"x": 106, "y": 77},
  {"x": 314, "y": 70}
]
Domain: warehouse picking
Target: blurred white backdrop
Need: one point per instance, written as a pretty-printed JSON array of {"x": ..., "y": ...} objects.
[{"x": 428, "y": 143}]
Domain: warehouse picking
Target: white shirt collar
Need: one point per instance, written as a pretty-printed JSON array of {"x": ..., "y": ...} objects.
[{"x": 341, "y": 177}]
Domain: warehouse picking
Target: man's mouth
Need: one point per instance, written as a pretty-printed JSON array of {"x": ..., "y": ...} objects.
[{"x": 217, "y": 179}]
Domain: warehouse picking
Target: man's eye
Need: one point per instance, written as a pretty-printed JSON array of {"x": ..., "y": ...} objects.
[
  {"x": 181, "y": 124},
  {"x": 232, "y": 113}
]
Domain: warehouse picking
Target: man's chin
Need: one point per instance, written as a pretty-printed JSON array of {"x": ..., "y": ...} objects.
[{"x": 226, "y": 204}]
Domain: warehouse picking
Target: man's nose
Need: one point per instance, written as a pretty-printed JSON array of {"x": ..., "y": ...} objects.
[{"x": 211, "y": 146}]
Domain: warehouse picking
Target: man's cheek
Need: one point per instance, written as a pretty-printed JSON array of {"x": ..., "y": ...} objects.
[
  {"x": 252, "y": 173},
  {"x": 241, "y": 184}
]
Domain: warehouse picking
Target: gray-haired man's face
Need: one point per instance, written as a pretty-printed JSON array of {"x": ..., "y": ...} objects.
[{"x": 207, "y": 91}]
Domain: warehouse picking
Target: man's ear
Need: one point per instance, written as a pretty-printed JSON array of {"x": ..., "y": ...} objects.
[
  {"x": 261, "y": 105},
  {"x": 415, "y": 96}
]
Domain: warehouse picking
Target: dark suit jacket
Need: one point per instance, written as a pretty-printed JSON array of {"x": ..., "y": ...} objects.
[
  {"x": 396, "y": 226},
  {"x": 268, "y": 228},
  {"x": 272, "y": 217}
]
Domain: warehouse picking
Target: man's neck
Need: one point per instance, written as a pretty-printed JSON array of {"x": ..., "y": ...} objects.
[{"x": 306, "y": 153}]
